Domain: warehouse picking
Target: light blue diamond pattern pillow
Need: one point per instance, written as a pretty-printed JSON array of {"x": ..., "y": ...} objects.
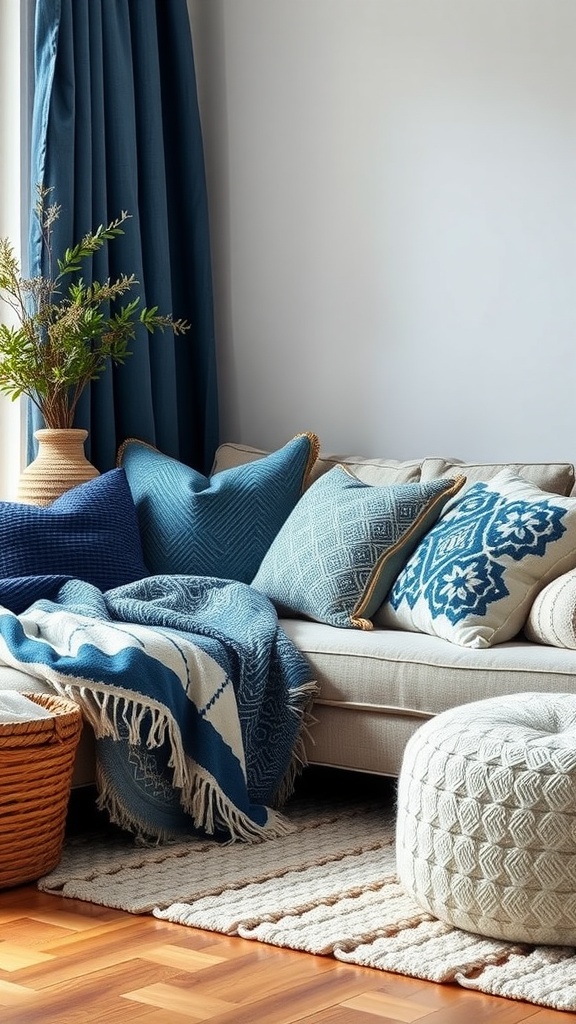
[
  {"x": 473, "y": 578},
  {"x": 344, "y": 543},
  {"x": 221, "y": 525}
]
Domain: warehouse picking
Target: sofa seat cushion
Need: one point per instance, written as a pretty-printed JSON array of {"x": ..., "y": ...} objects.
[
  {"x": 377, "y": 687},
  {"x": 422, "y": 674}
]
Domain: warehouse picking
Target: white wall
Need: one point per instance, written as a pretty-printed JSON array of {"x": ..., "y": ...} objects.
[{"x": 393, "y": 206}]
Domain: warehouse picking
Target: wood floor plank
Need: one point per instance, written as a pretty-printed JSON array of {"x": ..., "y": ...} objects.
[
  {"x": 8, "y": 915},
  {"x": 181, "y": 958},
  {"x": 428, "y": 994},
  {"x": 97, "y": 935},
  {"x": 73, "y": 922},
  {"x": 228, "y": 947},
  {"x": 543, "y": 1016},
  {"x": 97, "y": 995},
  {"x": 152, "y": 1016},
  {"x": 12, "y": 994},
  {"x": 380, "y": 1004},
  {"x": 15, "y": 957},
  {"x": 34, "y": 933},
  {"x": 485, "y": 1010},
  {"x": 187, "y": 1001},
  {"x": 291, "y": 1005},
  {"x": 345, "y": 1015},
  {"x": 264, "y": 977}
]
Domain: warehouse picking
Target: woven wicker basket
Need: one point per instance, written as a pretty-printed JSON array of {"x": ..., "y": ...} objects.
[{"x": 36, "y": 763}]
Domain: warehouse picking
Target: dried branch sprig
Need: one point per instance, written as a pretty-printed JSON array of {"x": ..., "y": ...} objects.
[{"x": 67, "y": 331}]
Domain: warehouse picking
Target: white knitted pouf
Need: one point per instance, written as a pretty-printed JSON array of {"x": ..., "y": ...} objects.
[{"x": 486, "y": 827}]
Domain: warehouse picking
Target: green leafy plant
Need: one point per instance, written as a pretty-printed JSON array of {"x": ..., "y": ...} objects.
[{"x": 66, "y": 331}]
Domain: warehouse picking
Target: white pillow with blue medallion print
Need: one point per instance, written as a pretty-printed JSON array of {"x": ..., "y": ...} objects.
[
  {"x": 343, "y": 544},
  {"x": 474, "y": 576}
]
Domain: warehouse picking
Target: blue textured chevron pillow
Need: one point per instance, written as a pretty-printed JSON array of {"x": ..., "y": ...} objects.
[
  {"x": 341, "y": 548},
  {"x": 90, "y": 533},
  {"x": 214, "y": 526},
  {"x": 473, "y": 578}
]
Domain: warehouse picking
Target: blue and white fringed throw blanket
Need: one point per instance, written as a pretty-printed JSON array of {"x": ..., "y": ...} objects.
[{"x": 197, "y": 697}]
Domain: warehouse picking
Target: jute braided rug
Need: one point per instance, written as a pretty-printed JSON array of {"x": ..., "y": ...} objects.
[{"x": 329, "y": 888}]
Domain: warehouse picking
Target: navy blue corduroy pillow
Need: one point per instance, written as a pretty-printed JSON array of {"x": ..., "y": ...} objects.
[{"x": 90, "y": 533}]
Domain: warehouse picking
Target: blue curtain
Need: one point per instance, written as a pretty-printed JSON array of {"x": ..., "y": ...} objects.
[{"x": 116, "y": 127}]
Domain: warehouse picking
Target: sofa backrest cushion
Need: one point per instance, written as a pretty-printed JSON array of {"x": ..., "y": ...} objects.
[
  {"x": 556, "y": 477},
  {"x": 370, "y": 471}
]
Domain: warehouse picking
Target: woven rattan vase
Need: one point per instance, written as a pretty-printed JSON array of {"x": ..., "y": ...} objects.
[
  {"x": 36, "y": 763},
  {"x": 60, "y": 465}
]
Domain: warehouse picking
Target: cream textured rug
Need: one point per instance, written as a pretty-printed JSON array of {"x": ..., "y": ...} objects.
[{"x": 329, "y": 888}]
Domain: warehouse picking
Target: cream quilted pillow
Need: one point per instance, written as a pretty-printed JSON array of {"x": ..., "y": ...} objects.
[{"x": 552, "y": 617}]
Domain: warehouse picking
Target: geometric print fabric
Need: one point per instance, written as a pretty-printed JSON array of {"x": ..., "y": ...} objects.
[
  {"x": 473, "y": 578},
  {"x": 218, "y": 526},
  {"x": 344, "y": 543}
]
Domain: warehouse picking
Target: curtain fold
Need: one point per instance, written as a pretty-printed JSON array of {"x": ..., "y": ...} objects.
[{"x": 116, "y": 127}]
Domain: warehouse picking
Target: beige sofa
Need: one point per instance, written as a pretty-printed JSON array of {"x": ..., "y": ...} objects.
[{"x": 378, "y": 686}]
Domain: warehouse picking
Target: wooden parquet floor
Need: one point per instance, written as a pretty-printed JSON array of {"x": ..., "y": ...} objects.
[{"x": 68, "y": 962}]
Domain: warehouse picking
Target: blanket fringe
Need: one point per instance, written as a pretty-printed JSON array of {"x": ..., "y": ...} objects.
[
  {"x": 201, "y": 797},
  {"x": 208, "y": 809},
  {"x": 299, "y": 759}
]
